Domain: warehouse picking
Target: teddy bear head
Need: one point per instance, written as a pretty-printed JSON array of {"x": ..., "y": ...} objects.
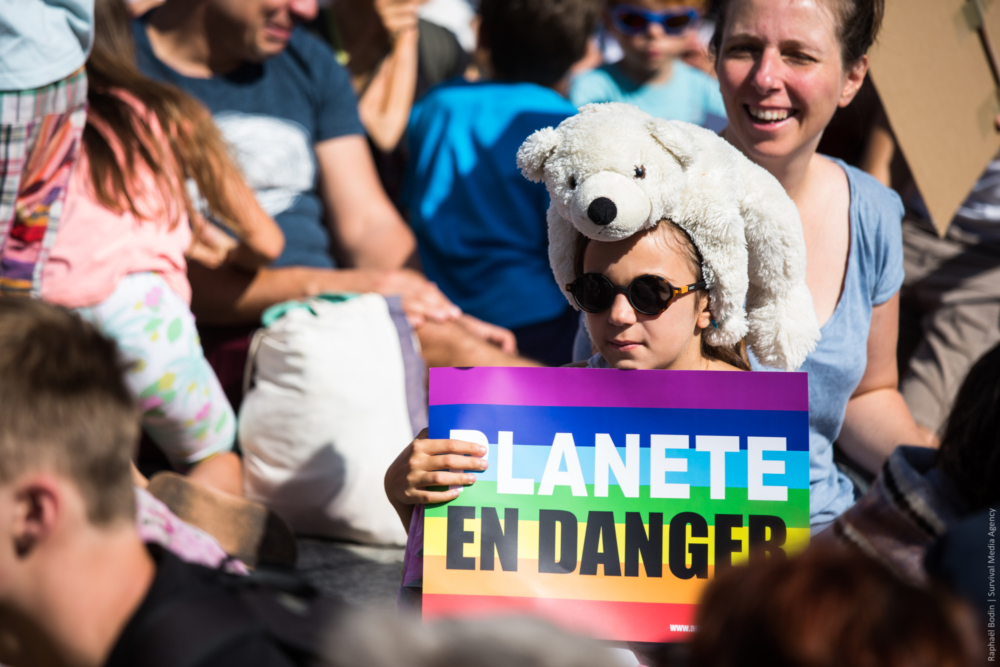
[
  {"x": 610, "y": 174},
  {"x": 613, "y": 170}
]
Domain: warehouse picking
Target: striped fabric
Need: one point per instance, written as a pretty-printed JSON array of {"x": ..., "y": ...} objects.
[
  {"x": 909, "y": 507},
  {"x": 40, "y": 132},
  {"x": 656, "y": 477}
]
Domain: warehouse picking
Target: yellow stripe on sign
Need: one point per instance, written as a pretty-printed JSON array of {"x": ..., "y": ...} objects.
[{"x": 436, "y": 540}]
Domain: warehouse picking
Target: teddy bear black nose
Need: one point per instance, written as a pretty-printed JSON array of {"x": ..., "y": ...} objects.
[{"x": 602, "y": 211}]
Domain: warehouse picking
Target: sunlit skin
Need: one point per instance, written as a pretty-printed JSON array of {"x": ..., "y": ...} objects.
[
  {"x": 237, "y": 31},
  {"x": 783, "y": 56},
  {"x": 631, "y": 340},
  {"x": 648, "y": 56},
  {"x": 67, "y": 586}
]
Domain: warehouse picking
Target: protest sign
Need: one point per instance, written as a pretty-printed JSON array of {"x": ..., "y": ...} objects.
[
  {"x": 613, "y": 496},
  {"x": 934, "y": 76}
]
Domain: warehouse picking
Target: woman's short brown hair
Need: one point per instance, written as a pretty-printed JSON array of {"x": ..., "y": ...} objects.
[{"x": 858, "y": 25}]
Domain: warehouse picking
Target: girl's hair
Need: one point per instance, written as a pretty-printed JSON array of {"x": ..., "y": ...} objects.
[
  {"x": 970, "y": 446},
  {"x": 858, "y": 23},
  {"x": 190, "y": 139},
  {"x": 734, "y": 356}
]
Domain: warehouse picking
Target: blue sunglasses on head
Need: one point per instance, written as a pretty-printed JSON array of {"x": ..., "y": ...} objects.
[{"x": 631, "y": 21}]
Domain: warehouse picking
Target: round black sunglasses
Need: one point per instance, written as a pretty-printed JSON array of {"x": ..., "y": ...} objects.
[{"x": 648, "y": 294}]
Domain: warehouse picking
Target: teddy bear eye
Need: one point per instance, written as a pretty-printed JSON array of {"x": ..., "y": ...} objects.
[
  {"x": 572, "y": 182},
  {"x": 640, "y": 172}
]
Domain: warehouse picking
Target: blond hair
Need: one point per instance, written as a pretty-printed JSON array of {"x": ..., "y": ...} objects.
[{"x": 64, "y": 406}]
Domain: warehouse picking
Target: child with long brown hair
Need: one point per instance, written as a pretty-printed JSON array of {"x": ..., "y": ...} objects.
[{"x": 119, "y": 257}]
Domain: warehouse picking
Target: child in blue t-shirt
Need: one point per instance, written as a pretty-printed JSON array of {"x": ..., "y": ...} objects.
[
  {"x": 653, "y": 35},
  {"x": 480, "y": 225}
]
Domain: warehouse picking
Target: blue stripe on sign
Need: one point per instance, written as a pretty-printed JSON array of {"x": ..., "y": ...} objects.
[
  {"x": 529, "y": 462},
  {"x": 536, "y": 425}
]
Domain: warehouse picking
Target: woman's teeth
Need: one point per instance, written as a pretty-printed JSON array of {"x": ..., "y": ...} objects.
[{"x": 769, "y": 115}]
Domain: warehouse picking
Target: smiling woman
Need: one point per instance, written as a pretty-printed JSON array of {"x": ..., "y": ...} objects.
[{"x": 785, "y": 66}]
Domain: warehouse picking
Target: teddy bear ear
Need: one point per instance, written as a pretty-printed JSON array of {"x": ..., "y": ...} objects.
[
  {"x": 675, "y": 139},
  {"x": 536, "y": 149}
]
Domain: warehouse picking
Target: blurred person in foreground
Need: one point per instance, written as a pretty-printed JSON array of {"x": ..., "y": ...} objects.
[
  {"x": 921, "y": 494},
  {"x": 388, "y": 639},
  {"x": 77, "y": 585},
  {"x": 833, "y": 608},
  {"x": 654, "y": 36},
  {"x": 479, "y": 224}
]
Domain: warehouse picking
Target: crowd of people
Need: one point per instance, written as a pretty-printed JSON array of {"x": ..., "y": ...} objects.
[{"x": 235, "y": 234}]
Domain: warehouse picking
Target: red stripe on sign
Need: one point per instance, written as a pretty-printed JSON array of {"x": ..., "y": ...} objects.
[{"x": 620, "y": 621}]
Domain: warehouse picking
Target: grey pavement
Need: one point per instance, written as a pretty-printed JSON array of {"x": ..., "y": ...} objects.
[{"x": 357, "y": 573}]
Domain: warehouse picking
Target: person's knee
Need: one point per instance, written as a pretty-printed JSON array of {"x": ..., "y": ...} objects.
[{"x": 224, "y": 472}]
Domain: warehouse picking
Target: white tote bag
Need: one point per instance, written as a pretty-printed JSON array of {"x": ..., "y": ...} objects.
[{"x": 337, "y": 394}]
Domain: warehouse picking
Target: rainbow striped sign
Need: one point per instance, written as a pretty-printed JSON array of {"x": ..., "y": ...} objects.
[{"x": 612, "y": 496}]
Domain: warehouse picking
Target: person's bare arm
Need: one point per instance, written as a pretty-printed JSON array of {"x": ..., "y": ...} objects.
[
  {"x": 491, "y": 333},
  {"x": 366, "y": 226},
  {"x": 226, "y": 296},
  {"x": 384, "y": 105},
  {"x": 877, "y": 418},
  {"x": 445, "y": 344},
  {"x": 137, "y": 8},
  {"x": 879, "y": 150}
]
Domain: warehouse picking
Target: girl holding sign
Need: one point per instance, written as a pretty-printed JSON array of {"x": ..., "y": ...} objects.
[
  {"x": 642, "y": 326},
  {"x": 670, "y": 292}
]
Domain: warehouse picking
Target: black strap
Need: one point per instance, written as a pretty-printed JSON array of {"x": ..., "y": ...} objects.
[{"x": 188, "y": 631}]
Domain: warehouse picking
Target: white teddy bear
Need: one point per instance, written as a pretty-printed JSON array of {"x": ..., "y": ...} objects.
[{"x": 613, "y": 170}]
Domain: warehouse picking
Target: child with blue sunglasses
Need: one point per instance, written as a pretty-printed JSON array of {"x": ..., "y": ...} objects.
[{"x": 653, "y": 35}]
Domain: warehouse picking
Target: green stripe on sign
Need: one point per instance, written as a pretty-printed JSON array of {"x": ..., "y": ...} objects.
[{"x": 794, "y": 512}]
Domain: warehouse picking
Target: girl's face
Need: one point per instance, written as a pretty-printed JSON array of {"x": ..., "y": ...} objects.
[
  {"x": 630, "y": 340},
  {"x": 781, "y": 75},
  {"x": 650, "y": 51}
]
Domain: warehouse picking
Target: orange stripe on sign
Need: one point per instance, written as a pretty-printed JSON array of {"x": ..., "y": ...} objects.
[
  {"x": 638, "y": 621},
  {"x": 529, "y": 582}
]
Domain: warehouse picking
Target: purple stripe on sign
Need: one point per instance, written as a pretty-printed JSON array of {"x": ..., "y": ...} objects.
[{"x": 609, "y": 388}]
